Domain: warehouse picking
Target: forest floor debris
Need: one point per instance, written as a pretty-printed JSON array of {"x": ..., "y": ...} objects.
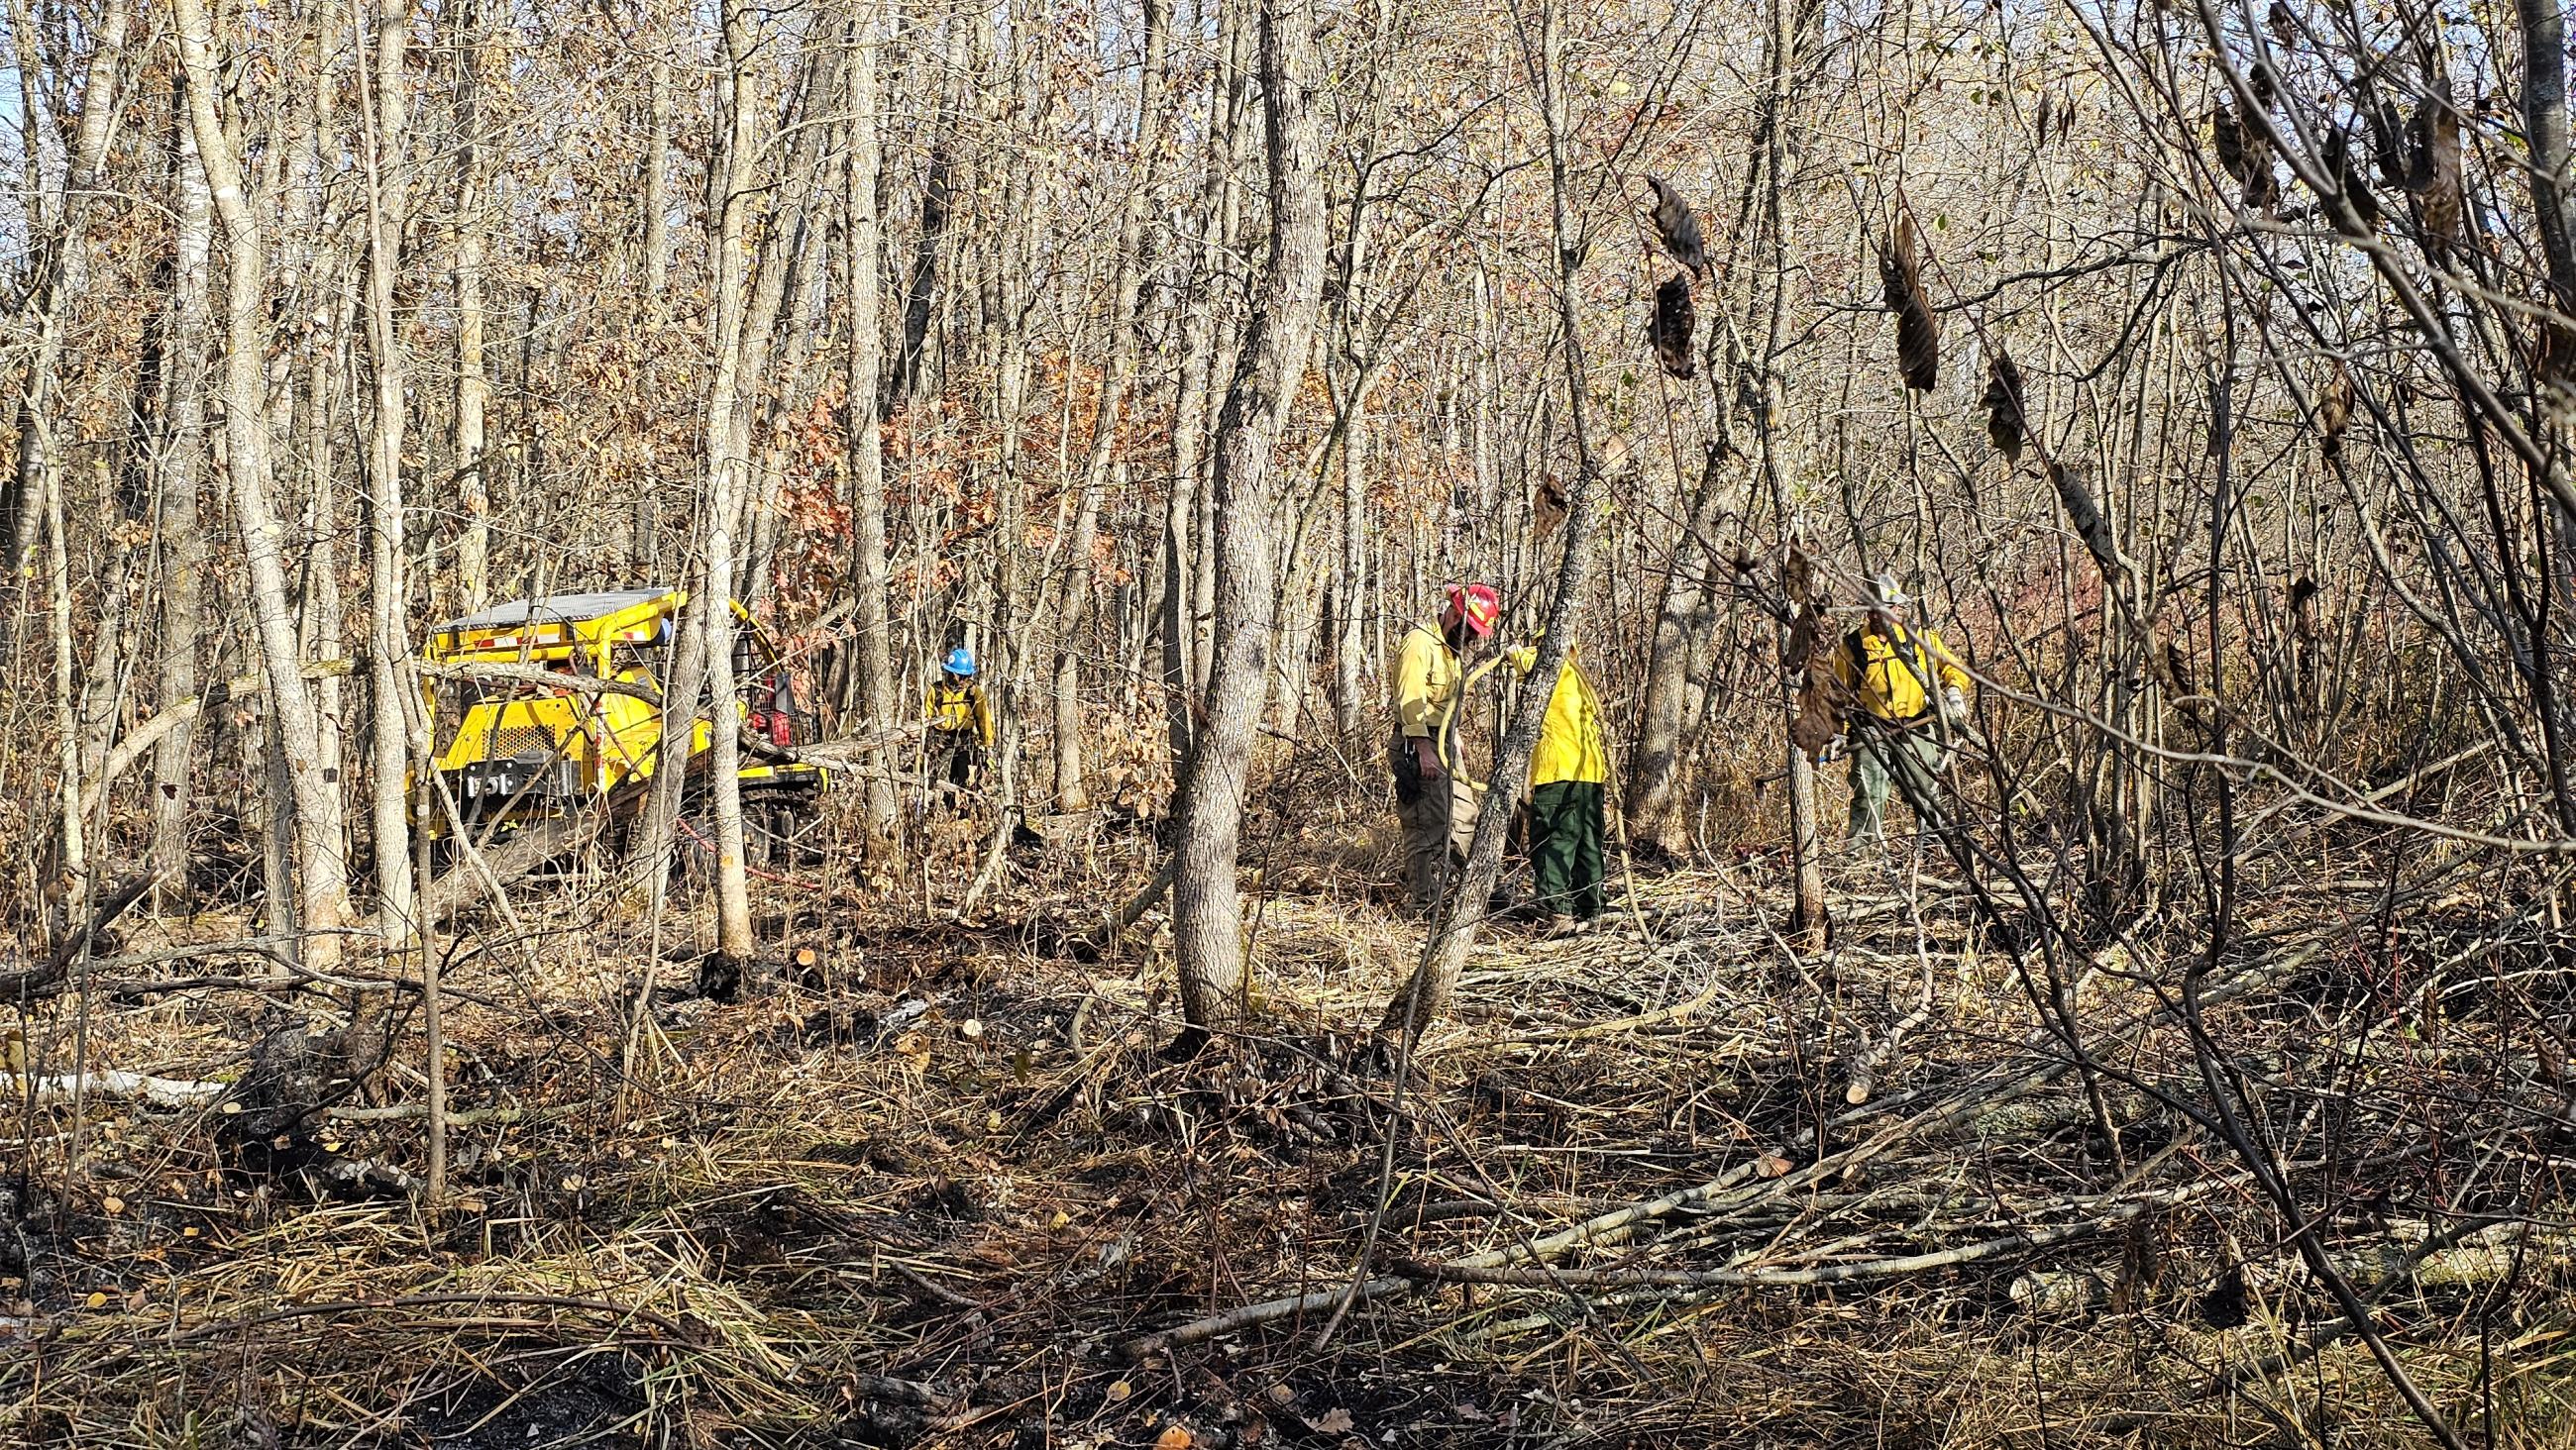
[{"x": 941, "y": 1190}]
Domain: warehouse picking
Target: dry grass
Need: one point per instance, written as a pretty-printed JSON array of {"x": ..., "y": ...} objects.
[{"x": 800, "y": 1225}]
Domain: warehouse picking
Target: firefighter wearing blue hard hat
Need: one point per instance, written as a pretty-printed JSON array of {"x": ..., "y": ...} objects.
[{"x": 961, "y": 724}]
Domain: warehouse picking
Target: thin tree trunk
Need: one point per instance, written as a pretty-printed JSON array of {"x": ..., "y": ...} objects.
[
  {"x": 916, "y": 365},
  {"x": 64, "y": 270},
  {"x": 473, "y": 227},
  {"x": 725, "y": 484},
  {"x": 1655, "y": 768},
  {"x": 181, "y": 456},
  {"x": 322, "y": 894},
  {"x": 1127, "y": 273},
  {"x": 862, "y": 289},
  {"x": 1207, "y": 910},
  {"x": 1426, "y": 994},
  {"x": 389, "y": 636}
]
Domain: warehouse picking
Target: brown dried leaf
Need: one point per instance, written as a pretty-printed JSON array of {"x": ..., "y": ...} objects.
[
  {"x": 2437, "y": 161},
  {"x": 1678, "y": 228},
  {"x": 2086, "y": 517},
  {"x": 2007, "y": 423},
  {"x": 2346, "y": 173},
  {"x": 2334, "y": 410},
  {"x": 1671, "y": 326},
  {"x": 1918, "y": 330}
]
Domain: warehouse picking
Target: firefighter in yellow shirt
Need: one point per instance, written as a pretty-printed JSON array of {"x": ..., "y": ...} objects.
[
  {"x": 1569, "y": 775},
  {"x": 961, "y": 725},
  {"x": 1898, "y": 735},
  {"x": 1433, "y": 796}
]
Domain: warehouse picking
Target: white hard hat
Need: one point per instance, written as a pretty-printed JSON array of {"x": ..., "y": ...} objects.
[{"x": 1884, "y": 590}]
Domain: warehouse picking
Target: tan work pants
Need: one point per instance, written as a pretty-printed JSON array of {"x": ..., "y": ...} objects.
[{"x": 1437, "y": 827}]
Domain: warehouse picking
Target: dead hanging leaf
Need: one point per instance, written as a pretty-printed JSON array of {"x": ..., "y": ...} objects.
[
  {"x": 2085, "y": 516},
  {"x": 2006, "y": 422},
  {"x": 1678, "y": 228},
  {"x": 1822, "y": 700},
  {"x": 2283, "y": 23},
  {"x": 2555, "y": 361},
  {"x": 2388, "y": 145},
  {"x": 2303, "y": 607},
  {"x": 2046, "y": 102},
  {"x": 1548, "y": 507},
  {"x": 2346, "y": 174},
  {"x": 2265, "y": 85},
  {"x": 2436, "y": 160},
  {"x": 2245, "y": 154},
  {"x": 1797, "y": 576},
  {"x": 1671, "y": 326},
  {"x": 1918, "y": 331},
  {"x": 2334, "y": 410}
]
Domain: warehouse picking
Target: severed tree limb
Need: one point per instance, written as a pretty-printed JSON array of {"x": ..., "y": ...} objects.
[
  {"x": 49, "y": 977},
  {"x": 148, "y": 734}
]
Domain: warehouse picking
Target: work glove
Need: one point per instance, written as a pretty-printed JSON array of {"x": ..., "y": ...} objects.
[
  {"x": 1426, "y": 757},
  {"x": 1955, "y": 702},
  {"x": 1834, "y": 750},
  {"x": 1524, "y": 658}
]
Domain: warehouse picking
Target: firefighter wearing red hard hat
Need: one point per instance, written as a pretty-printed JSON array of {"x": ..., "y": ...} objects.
[{"x": 1433, "y": 796}]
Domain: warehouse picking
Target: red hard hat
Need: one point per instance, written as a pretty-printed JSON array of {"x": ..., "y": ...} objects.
[{"x": 1478, "y": 604}]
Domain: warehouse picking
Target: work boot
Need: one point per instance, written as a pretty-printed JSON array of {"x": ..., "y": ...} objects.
[{"x": 1562, "y": 925}]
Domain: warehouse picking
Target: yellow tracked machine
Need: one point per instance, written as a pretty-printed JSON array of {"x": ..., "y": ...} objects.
[{"x": 515, "y": 750}]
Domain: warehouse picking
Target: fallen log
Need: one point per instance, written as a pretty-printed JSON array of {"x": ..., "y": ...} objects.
[{"x": 160, "y": 1092}]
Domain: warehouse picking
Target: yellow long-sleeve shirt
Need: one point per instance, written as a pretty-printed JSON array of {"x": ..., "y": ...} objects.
[
  {"x": 1573, "y": 745},
  {"x": 1890, "y": 678},
  {"x": 1426, "y": 685},
  {"x": 961, "y": 707}
]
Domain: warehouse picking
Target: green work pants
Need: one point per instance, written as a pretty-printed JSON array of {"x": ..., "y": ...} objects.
[
  {"x": 1885, "y": 754},
  {"x": 1565, "y": 847}
]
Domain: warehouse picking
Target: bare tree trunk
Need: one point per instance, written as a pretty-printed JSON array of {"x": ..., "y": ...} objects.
[
  {"x": 322, "y": 888},
  {"x": 1207, "y": 914},
  {"x": 862, "y": 287},
  {"x": 181, "y": 457},
  {"x": 1127, "y": 272},
  {"x": 725, "y": 482},
  {"x": 1184, "y": 672},
  {"x": 473, "y": 385},
  {"x": 62, "y": 273},
  {"x": 657, "y": 188},
  {"x": 1426, "y": 994},
  {"x": 1350, "y": 648},
  {"x": 1655, "y": 767},
  {"x": 389, "y": 636},
  {"x": 1806, "y": 853},
  {"x": 916, "y": 365}
]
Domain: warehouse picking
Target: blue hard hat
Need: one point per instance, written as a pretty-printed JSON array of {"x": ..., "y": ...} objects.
[{"x": 960, "y": 661}]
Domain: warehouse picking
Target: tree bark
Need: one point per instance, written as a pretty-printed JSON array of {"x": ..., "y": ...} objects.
[
  {"x": 725, "y": 481},
  {"x": 1681, "y": 617},
  {"x": 322, "y": 890},
  {"x": 862, "y": 290},
  {"x": 64, "y": 271},
  {"x": 473, "y": 383},
  {"x": 1207, "y": 916},
  {"x": 181, "y": 457},
  {"x": 389, "y": 635}
]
